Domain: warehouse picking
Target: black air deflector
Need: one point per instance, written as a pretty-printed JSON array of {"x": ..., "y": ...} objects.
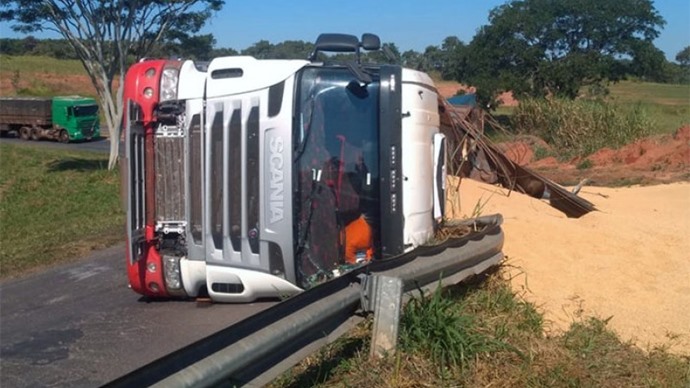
[
  {"x": 217, "y": 180},
  {"x": 252, "y": 186},
  {"x": 235, "y": 175},
  {"x": 390, "y": 136},
  {"x": 275, "y": 99}
]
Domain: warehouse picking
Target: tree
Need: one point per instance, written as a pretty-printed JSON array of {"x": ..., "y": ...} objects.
[
  {"x": 223, "y": 52},
  {"x": 292, "y": 49},
  {"x": 452, "y": 57},
  {"x": 105, "y": 33},
  {"x": 433, "y": 58},
  {"x": 555, "y": 47},
  {"x": 259, "y": 50},
  {"x": 683, "y": 57},
  {"x": 412, "y": 59},
  {"x": 379, "y": 56},
  {"x": 649, "y": 63},
  {"x": 197, "y": 47}
]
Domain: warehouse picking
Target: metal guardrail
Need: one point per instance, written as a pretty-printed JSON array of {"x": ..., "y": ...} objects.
[{"x": 256, "y": 350}]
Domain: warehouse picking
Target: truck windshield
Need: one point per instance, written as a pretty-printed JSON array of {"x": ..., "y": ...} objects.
[
  {"x": 336, "y": 162},
  {"x": 86, "y": 110}
]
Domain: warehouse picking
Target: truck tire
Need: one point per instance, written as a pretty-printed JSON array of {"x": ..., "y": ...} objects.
[
  {"x": 35, "y": 134},
  {"x": 25, "y": 133},
  {"x": 64, "y": 137}
]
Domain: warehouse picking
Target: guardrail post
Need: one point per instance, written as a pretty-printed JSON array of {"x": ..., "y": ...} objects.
[{"x": 387, "y": 306}]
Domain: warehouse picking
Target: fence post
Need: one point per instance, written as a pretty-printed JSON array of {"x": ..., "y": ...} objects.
[{"x": 388, "y": 302}]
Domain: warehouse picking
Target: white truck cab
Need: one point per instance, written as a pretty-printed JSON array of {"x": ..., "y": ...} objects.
[{"x": 272, "y": 176}]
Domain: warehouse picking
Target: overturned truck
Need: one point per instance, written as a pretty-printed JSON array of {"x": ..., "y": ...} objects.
[{"x": 248, "y": 178}]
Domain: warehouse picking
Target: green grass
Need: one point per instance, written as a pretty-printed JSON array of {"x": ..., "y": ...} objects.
[
  {"x": 441, "y": 329},
  {"x": 482, "y": 334},
  {"x": 28, "y": 64},
  {"x": 667, "y": 106},
  {"x": 627, "y": 92},
  {"x": 504, "y": 111},
  {"x": 55, "y": 205}
]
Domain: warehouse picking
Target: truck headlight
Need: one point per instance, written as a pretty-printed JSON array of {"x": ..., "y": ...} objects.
[
  {"x": 169, "y": 84},
  {"x": 173, "y": 280}
]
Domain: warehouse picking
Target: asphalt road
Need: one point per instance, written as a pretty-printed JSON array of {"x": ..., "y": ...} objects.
[
  {"x": 99, "y": 145},
  {"x": 78, "y": 324}
]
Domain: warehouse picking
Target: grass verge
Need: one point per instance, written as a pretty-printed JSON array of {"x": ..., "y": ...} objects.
[
  {"x": 38, "y": 64},
  {"x": 482, "y": 334},
  {"x": 55, "y": 205},
  {"x": 43, "y": 76}
]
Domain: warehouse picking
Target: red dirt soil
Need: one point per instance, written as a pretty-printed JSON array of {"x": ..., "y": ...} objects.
[{"x": 658, "y": 159}]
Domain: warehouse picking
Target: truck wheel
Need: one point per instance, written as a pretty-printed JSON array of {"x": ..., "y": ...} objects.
[
  {"x": 35, "y": 135},
  {"x": 64, "y": 137},
  {"x": 25, "y": 133}
]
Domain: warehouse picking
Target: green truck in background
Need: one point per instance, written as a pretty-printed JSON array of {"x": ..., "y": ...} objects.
[{"x": 69, "y": 118}]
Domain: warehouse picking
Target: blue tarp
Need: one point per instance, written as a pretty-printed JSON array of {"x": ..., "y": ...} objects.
[{"x": 465, "y": 99}]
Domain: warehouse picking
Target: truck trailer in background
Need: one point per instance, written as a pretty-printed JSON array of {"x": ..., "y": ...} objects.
[{"x": 69, "y": 118}]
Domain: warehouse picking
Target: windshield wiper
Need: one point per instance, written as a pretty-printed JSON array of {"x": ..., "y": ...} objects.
[
  {"x": 359, "y": 73},
  {"x": 303, "y": 142}
]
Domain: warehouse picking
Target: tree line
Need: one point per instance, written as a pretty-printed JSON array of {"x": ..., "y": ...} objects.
[
  {"x": 448, "y": 59},
  {"x": 534, "y": 48}
]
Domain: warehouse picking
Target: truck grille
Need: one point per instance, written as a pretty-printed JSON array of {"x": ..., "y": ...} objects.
[
  {"x": 87, "y": 128},
  {"x": 170, "y": 179}
]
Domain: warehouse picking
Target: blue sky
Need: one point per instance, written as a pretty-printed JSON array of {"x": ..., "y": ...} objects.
[{"x": 410, "y": 24}]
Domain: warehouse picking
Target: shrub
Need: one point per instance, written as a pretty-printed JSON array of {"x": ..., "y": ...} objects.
[
  {"x": 437, "y": 326},
  {"x": 584, "y": 164},
  {"x": 580, "y": 127}
]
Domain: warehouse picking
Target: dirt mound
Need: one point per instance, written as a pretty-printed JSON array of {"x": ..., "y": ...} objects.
[
  {"x": 666, "y": 152},
  {"x": 658, "y": 159},
  {"x": 627, "y": 261}
]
